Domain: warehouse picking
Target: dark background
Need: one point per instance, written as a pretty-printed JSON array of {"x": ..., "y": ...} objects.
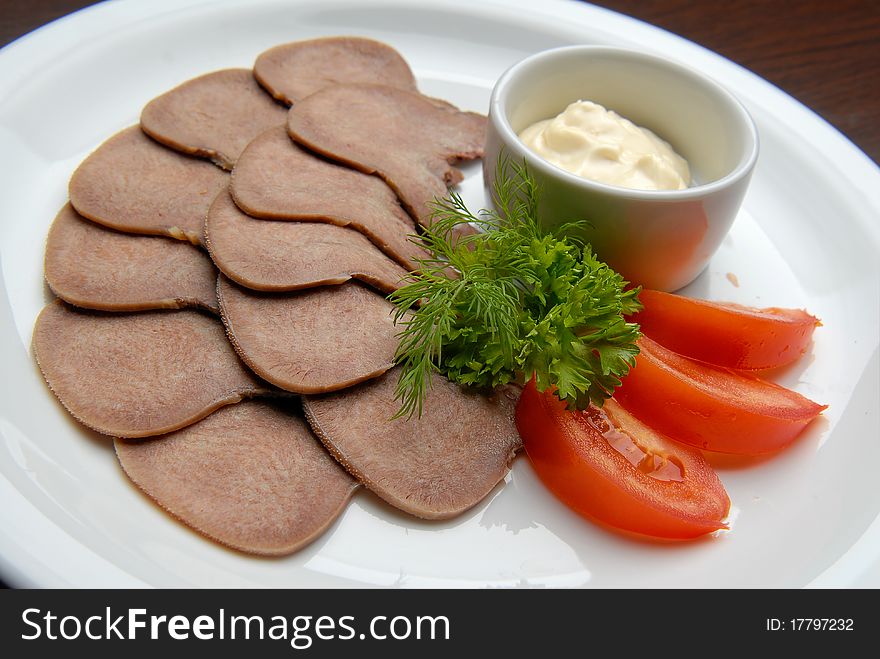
[{"x": 825, "y": 54}]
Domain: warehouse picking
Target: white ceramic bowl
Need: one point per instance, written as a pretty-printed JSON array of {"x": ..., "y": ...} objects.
[{"x": 661, "y": 239}]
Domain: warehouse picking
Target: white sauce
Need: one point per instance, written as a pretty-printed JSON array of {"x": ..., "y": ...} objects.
[{"x": 599, "y": 144}]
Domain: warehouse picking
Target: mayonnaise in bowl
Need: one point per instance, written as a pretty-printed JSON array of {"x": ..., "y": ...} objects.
[{"x": 600, "y": 145}]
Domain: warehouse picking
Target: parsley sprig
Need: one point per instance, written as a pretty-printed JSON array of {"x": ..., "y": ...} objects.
[{"x": 521, "y": 301}]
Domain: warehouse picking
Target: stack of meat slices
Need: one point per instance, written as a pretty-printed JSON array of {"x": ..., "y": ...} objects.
[{"x": 226, "y": 321}]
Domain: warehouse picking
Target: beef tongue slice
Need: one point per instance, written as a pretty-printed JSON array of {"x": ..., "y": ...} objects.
[
  {"x": 251, "y": 476},
  {"x": 314, "y": 340},
  {"x": 94, "y": 267},
  {"x": 134, "y": 184},
  {"x": 435, "y": 466},
  {"x": 213, "y": 116},
  {"x": 277, "y": 180},
  {"x": 282, "y": 256},
  {"x": 405, "y": 138},
  {"x": 139, "y": 374},
  {"x": 292, "y": 71}
]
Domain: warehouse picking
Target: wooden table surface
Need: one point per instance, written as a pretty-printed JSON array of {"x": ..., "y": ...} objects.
[{"x": 825, "y": 54}]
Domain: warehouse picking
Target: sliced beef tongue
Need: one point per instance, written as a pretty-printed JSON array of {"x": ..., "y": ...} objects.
[
  {"x": 435, "y": 466},
  {"x": 213, "y": 116},
  {"x": 403, "y": 137},
  {"x": 251, "y": 476},
  {"x": 314, "y": 340},
  {"x": 139, "y": 374},
  {"x": 314, "y": 225},
  {"x": 275, "y": 179},
  {"x": 94, "y": 267},
  {"x": 132, "y": 183},
  {"x": 292, "y": 71},
  {"x": 284, "y": 256}
]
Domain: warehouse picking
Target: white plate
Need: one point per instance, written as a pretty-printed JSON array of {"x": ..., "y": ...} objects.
[{"x": 808, "y": 236}]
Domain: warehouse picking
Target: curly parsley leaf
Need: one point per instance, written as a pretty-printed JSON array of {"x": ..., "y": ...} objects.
[{"x": 521, "y": 302}]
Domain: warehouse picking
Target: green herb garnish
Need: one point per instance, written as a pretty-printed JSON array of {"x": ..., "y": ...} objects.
[{"x": 525, "y": 302}]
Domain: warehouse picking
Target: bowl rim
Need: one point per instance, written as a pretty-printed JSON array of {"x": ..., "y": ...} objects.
[{"x": 498, "y": 117}]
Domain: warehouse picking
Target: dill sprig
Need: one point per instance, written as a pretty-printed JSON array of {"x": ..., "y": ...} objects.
[{"x": 511, "y": 302}]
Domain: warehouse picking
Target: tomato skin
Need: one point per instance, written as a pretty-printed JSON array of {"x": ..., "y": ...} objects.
[
  {"x": 712, "y": 408},
  {"x": 579, "y": 465},
  {"x": 725, "y": 334}
]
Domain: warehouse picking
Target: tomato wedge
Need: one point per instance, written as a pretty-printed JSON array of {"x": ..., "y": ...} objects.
[
  {"x": 725, "y": 334},
  {"x": 712, "y": 408},
  {"x": 607, "y": 465}
]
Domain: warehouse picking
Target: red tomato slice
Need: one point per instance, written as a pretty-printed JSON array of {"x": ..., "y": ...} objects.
[
  {"x": 709, "y": 407},
  {"x": 607, "y": 465},
  {"x": 727, "y": 335}
]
